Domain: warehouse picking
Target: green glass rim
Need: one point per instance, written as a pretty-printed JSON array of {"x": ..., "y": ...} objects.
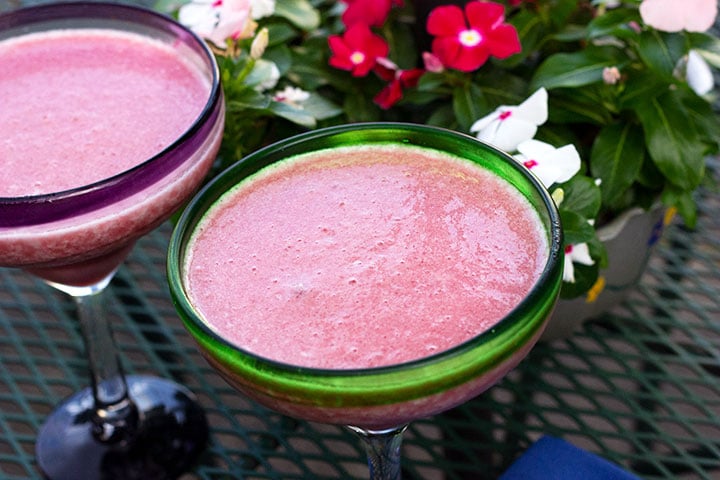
[{"x": 509, "y": 330}]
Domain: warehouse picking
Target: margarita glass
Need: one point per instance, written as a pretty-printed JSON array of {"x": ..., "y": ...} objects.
[
  {"x": 75, "y": 237},
  {"x": 376, "y": 402}
]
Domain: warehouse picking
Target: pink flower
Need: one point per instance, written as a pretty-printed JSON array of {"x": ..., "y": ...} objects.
[
  {"x": 611, "y": 75},
  {"x": 398, "y": 80},
  {"x": 676, "y": 15},
  {"x": 357, "y": 50},
  {"x": 464, "y": 40},
  {"x": 432, "y": 63},
  {"x": 218, "y": 20},
  {"x": 370, "y": 12}
]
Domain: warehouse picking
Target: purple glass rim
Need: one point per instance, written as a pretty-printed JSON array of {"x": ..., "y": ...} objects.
[{"x": 45, "y": 208}]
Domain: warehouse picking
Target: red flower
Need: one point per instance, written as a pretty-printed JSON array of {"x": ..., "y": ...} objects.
[
  {"x": 464, "y": 41},
  {"x": 397, "y": 78},
  {"x": 370, "y": 12},
  {"x": 357, "y": 50}
]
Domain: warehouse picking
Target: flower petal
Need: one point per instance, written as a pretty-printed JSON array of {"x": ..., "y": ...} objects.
[
  {"x": 568, "y": 270},
  {"x": 673, "y": 15},
  {"x": 446, "y": 20},
  {"x": 698, "y": 74},
  {"x": 535, "y": 108},
  {"x": 507, "y": 135},
  {"x": 581, "y": 254},
  {"x": 484, "y": 15},
  {"x": 549, "y": 164}
]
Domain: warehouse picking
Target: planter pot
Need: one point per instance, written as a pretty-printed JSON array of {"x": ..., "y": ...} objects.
[{"x": 629, "y": 240}]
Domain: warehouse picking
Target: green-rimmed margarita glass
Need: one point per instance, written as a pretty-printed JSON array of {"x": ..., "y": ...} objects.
[{"x": 377, "y": 403}]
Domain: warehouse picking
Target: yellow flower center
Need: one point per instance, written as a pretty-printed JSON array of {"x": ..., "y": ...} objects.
[{"x": 357, "y": 58}]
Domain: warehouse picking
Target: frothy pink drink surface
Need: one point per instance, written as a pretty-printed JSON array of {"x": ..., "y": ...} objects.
[
  {"x": 363, "y": 257},
  {"x": 78, "y": 106},
  {"x": 81, "y": 105}
]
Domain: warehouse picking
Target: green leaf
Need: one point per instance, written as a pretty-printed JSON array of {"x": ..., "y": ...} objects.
[
  {"x": 468, "y": 105},
  {"x": 247, "y": 99},
  {"x": 706, "y": 45},
  {"x": 582, "y": 196},
  {"x": 684, "y": 202},
  {"x": 431, "y": 81},
  {"x": 661, "y": 51},
  {"x": 616, "y": 158},
  {"x": 530, "y": 30},
  {"x": 615, "y": 23},
  {"x": 673, "y": 141},
  {"x": 320, "y": 107},
  {"x": 298, "y": 12},
  {"x": 574, "y": 106},
  {"x": 640, "y": 87},
  {"x": 703, "y": 116},
  {"x": 570, "y": 70},
  {"x": 360, "y": 109},
  {"x": 296, "y": 115},
  {"x": 561, "y": 10},
  {"x": 279, "y": 33},
  {"x": 576, "y": 228}
]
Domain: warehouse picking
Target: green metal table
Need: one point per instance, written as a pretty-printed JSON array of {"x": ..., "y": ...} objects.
[{"x": 639, "y": 386}]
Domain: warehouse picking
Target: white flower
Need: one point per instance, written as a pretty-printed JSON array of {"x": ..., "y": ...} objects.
[
  {"x": 698, "y": 74},
  {"x": 551, "y": 165},
  {"x": 578, "y": 254},
  {"x": 291, "y": 95},
  {"x": 264, "y": 75},
  {"x": 508, "y": 126},
  {"x": 262, "y": 8},
  {"x": 218, "y": 20}
]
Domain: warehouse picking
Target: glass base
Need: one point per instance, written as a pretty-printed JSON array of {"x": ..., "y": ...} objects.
[{"x": 173, "y": 432}]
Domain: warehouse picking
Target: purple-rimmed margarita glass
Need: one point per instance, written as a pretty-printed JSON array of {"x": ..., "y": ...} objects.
[{"x": 121, "y": 426}]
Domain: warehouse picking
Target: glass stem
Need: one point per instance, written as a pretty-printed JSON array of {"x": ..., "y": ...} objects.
[
  {"x": 115, "y": 417},
  {"x": 383, "y": 451}
]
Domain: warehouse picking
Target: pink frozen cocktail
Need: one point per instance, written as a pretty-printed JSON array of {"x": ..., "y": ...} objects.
[
  {"x": 111, "y": 117},
  {"x": 334, "y": 249},
  {"x": 368, "y": 275},
  {"x": 80, "y": 107}
]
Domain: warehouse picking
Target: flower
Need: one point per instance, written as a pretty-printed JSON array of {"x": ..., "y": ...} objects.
[
  {"x": 698, "y": 74},
  {"x": 368, "y": 12},
  {"x": 551, "y": 165},
  {"x": 262, "y": 8},
  {"x": 398, "y": 80},
  {"x": 607, "y": 102},
  {"x": 465, "y": 40},
  {"x": 611, "y": 75},
  {"x": 291, "y": 95},
  {"x": 508, "y": 126},
  {"x": 674, "y": 15},
  {"x": 357, "y": 50},
  {"x": 218, "y": 20},
  {"x": 579, "y": 253}
]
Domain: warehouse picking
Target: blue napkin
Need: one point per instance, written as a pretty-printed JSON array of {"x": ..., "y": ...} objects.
[{"x": 551, "y": 458}]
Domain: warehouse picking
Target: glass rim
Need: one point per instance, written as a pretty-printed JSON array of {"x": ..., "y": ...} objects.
[
  {"x": 551, "y": 272},
  {"x": 91, "y": 10}
]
